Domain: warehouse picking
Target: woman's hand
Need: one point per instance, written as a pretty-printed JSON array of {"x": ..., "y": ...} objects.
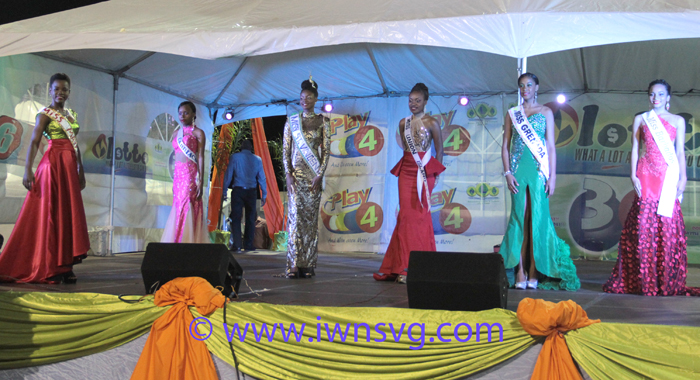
[
  {"x": 199, "y": 190},
  {"x": 291, "y": 183},
  {"x": 512, "y": 183},
  {"x": 28, "y": 180},
  {"x": 681, "y": 186},
  {"x": 638, "y": 185},
  {"x": 316, "y": 183},
  {"x": 551, "y": 184}
]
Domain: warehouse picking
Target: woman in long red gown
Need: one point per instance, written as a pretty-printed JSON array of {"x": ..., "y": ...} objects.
[
  {"x": 652, "y": 258},
  {"x": 414, "y": 225},
  {"x": 50, "y": 235}
]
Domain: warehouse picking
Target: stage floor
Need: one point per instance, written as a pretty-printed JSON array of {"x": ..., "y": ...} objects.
[{"x": 345, "y": 279}]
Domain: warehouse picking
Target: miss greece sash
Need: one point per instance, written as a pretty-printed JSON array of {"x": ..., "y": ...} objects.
[
  {"x": 63, "y": 122},
  {"x": 422, "y": 178},
  {"x": 303, "y": 145},
  {"x": 528, "y": 135},
  {"x": 662, "y": 139},
  {"x": 183, "y": 147}
]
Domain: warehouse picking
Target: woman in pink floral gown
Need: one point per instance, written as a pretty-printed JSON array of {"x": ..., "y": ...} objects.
[
  {"x": 186, "y": 221},
  {"x": 652, "y": 258}
]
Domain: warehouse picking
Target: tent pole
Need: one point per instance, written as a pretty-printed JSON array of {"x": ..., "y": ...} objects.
[
  {"x": 114, "y": 147},
  {"x": 522, "y": 68}
]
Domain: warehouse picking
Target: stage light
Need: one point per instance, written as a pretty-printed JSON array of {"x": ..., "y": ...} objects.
[
  {"x": 561, "y": 98},
  {"x": 328, "y": 106},
  {"x": 463, "y": 100},
  {"x": 228, "y": 115}
]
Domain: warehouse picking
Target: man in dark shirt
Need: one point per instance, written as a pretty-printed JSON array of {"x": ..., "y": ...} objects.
[{"x": 244, "y": 173}]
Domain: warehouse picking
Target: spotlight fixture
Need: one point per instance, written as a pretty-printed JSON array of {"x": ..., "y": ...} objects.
[
  {"x": 463, "y": 100},
  {"x": 328, "y": 106},
  {"x": 561, "y": 98},
  {"x": 228, "y": 115}
]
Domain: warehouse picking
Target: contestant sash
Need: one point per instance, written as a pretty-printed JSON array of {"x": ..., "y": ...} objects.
[
  {"x": 184, "y": 148},
  {"x": 422, "y": 178},
  {"x": 63, "y": 122},
  {"x": 303, "y": 145},
  {"x": 663, "y": 141},
  {"x": 528, "y": 135}
]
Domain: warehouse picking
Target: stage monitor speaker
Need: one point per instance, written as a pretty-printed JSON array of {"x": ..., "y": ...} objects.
[
  {"x": 213, "y": 262},
  {"x": 456, "y": 281}
]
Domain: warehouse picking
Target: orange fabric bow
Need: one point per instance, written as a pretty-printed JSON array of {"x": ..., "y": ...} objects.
[
  {"x": 543, "y": 318},
  {"x": 170, "y": 351}
]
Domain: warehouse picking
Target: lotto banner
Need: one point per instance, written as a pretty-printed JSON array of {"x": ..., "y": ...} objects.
[
  {"x": 352, "y": 215},
  {"x": 594, "y": 191}
]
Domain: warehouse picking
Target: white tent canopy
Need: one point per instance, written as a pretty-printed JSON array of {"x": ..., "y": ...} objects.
[{"x": 252, "y": 55}]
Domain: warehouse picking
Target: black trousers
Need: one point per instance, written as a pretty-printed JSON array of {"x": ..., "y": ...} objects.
[{"x": 242, "y": 198}]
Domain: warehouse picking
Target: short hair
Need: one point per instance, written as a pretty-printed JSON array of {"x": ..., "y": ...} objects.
[
  {"x": 423, "y": 89},
  {"x": 59, "y": 76},
  {"x": 531, "y": 76},
  {"x": 247, "y": 145},
  {"x": 189, "y": 104},
  {"x": 310, "y": 85},
  {"x": 659, "y": 81}
]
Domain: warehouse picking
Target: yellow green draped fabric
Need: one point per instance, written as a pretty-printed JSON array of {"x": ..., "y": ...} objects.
[
  {"x": 631, "y": 351},
  {"x": 42, "y": 328},
  {"x": 362, "y": 359}
]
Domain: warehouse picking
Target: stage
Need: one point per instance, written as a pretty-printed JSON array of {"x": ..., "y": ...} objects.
[{"x": 345, "y": 279}]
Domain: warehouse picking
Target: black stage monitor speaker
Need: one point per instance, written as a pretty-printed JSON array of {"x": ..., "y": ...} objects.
[
  {"x": 213, "y": 262},
  {"x": 456, "y": 281}
]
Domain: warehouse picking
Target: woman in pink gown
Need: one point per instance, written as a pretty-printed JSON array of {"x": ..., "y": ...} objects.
[
  {"x": 186, "y": 221},
  {"x": 652, "y": 258}
]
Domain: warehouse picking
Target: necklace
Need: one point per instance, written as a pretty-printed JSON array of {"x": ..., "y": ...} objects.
[{"x": 310, "y": 114}]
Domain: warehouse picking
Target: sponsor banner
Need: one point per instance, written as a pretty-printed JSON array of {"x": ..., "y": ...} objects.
[
  {"x": 357, "y": 144},
  {"x": 130, "y": 154},
  {"x": 161, "y": 160},
  {"x": 594, "y": 191},
  {"x": 351, "y": 215},
  {"x": 11, "y": 136}
]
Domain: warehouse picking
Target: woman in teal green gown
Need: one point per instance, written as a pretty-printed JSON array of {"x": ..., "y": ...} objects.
[{"x": 530, "y": 236}]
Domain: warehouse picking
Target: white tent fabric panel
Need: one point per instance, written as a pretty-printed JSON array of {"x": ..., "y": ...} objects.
[
  {"x": 220, "y": 28},
  {"x": 200, "y": 79},
  {"x": 339, "y": 70},
  {"x": 630, "y": 67},
  {"x": 444, "y": 69}
]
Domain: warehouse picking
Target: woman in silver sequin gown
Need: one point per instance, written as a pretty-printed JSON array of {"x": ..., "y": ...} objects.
[{"x": 304, "y": 187}]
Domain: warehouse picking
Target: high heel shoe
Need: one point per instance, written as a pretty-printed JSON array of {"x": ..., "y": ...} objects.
[
  {"x": 532, "y": 284},
  {"x": 521, "y": 285},
  {"x": 401, "y": 279}
]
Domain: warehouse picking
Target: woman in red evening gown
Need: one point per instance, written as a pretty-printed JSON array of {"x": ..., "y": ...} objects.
[
  {"x": 414, "y": 225},
  {"x": 652, "y": 257},
  {"x": 50, "y": 235}
]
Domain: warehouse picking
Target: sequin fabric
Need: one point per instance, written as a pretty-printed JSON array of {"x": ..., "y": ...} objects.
[
  {"x": 652, "y": 258},
  {"x": 181, "y": 226},
  {"x": 54, "y": 130},
  {"x": 421, "y": 136},
  {"x": 518, "y": 147},
  {"x": 303, "y": 203}
]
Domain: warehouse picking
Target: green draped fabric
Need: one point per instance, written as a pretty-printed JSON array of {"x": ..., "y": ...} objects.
[
  {"x": 362, "y": 359},
  {"x": 631, "y": 351},
  {"x": 43, "y": 328}
]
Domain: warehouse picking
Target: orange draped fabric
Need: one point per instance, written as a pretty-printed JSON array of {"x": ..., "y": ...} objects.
[
  {"x": 217, "y": 177},
  {"x": 170, "y": 351},
  {"x": 274, "y": 209},
  {"x": 543, "y": 318}
]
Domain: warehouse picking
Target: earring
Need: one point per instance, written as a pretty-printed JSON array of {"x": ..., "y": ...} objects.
[
  {"x": 535, "y": 96},
  {"x": 668, "y": 105}
]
